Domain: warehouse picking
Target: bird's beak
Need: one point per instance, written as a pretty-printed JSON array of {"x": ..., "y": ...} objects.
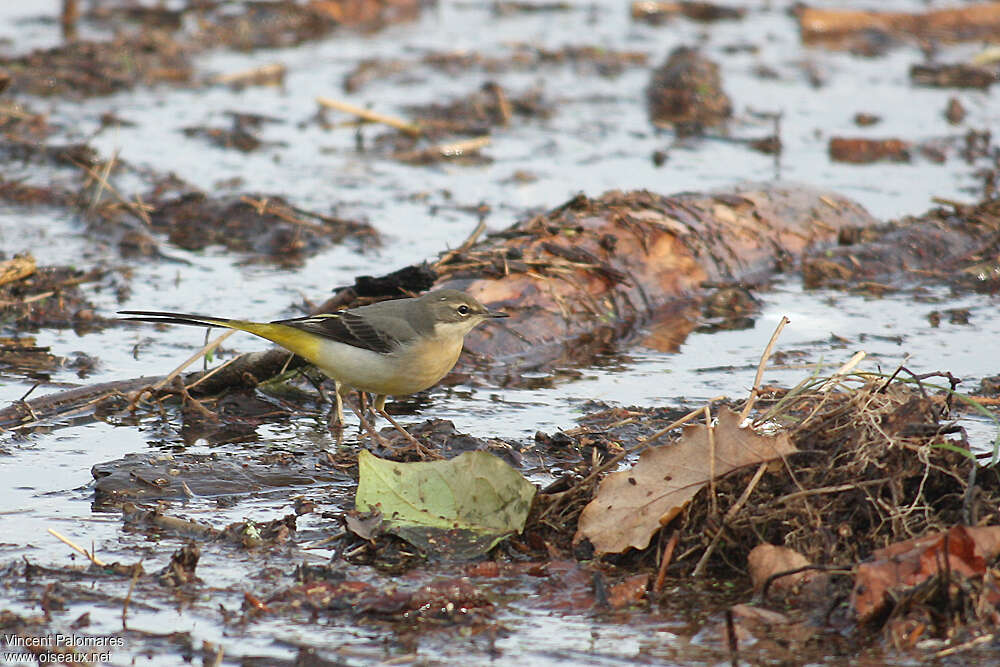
[{"x": 496, "y": 313}]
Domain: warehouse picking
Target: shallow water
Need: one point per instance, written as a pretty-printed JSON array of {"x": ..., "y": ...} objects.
[{"x": 598, "y": 139}]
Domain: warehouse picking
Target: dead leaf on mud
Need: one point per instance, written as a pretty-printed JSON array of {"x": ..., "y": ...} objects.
[
  {"x": 964, "y": 550},
  {"x": 630, "y": 506},
  {"x": 459, "y": 508},
  {"x": 767, "y": 560}
]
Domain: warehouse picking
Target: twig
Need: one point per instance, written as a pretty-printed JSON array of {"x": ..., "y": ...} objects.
[
  {"x": 272, "y": 72},
  {"x": 734, "y": 647},
  {"x": 680, "y": 422},
  {"x": 454, "y": 149},
  {"x": 668, "y": 554},
  {"x": 985, "y": 639},
  {"x": 139, "y": 210},
  {"x": 503, "y": 104},
  {"x": 466, "y": 244},
  {"x": 849, "y": 366},
  {"x": 30, "y": 299},
  {"x": 752, "y": 398},
  {"x": 208, "y": 347},
  {"x": 699, "y": 569},
  {"x": 711, "y": 459},
  {"x": 136, "y": 570},
  {"x": 371, "y": 116},
  {"x": 70, "y": 543}
]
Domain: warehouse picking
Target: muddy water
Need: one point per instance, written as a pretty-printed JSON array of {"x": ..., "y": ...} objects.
[{"x": 597, "y": 139}]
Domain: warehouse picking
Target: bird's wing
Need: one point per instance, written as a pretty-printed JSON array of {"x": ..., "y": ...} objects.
[{"x": 348, "y": 328}]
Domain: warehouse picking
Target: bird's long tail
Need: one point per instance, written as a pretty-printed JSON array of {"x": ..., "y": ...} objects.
[{"x": 290, "y": 338}]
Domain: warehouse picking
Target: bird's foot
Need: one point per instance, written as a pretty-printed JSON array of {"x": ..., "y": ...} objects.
[{"x": 421, "y": 450}]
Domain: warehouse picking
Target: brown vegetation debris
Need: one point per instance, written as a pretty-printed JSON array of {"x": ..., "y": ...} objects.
[
  {"x": 490, "y": 106},
  {"x": 631, "y": 505},
  {"x": 965, "y": 551},
  {"x": 23, "y": 356},
  {"x": 87, "y": 68},
  {"x": 874, "y": 466},
  {"x": 837, "y": 28},
  {"x": 956, "y": 75},
  {"x": 954, "y": 112},
  {"x": 262, "y": 224},
  {"x": 586, "y": 60},
  {"x": 957, "y": 244},
  {"x": 268, "y": 24},
  {"x": 456, "y": 600},
  {"x": 866, "y": 151},
  {"x": 657, "y": 12},
  {"x": 47, "y": 296},
  {"x": 686, "y": 90},
  {"x": 236, "y": 137}
]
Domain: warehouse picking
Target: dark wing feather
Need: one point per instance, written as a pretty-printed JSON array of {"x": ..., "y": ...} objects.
[{"x": 345, "y": 327}]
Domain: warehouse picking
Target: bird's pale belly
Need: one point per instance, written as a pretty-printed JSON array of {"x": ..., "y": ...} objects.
[{"x": 402, "y": 372}]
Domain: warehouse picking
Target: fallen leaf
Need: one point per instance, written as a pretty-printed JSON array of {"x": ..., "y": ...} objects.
[
  {"x": 630, "y": 506},
  {"x": 629, "y": 591},
  {"x": 366, "y": 525},
  {"x": 766, "y": 560},
  {"x": 963, "y": 550},
  {"x": 457, "y": 509}
]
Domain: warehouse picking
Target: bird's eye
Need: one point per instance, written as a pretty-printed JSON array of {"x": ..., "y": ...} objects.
[{"x": 463, "y": 310}]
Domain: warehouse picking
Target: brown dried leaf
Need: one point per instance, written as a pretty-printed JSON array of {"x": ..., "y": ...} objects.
[
  {"x": 964, "y": 550},
  {"x": 630, "y": 506},
  {"x": 766, "y": 560}
]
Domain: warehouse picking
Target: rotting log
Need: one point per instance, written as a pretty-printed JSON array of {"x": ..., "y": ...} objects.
[
  {"x": 969, "y": 23},
  {"x": 591, "y": 269},
  {"x": 624, "y": 258}
]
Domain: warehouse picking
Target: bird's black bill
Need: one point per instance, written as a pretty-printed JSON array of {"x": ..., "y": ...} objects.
[{"x": 494, "y": 313}]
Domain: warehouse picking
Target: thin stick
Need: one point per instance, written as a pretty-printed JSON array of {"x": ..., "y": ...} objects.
[
  {"x": 139, "y": 210},
  {"x": 371, "y": 116},
  {"x": 668, "y": 554},
  {"x": 70, "y": 543},
  {"x": 680, "y": 422},
  {"x": 30, "y": 299},
  {"x": 264, "y": 73},
  {"x": 711, "y": 459},
  {"x": 734, "y": 650},
  {"x": 849, "y": 366},
  {"x": 700, "y": 567},
  {"x": 454, "y": 149},
  {"x": 208, "y": 347},
  {"x": 466, "y": 244},
  {"x": 136, "y": 569},
  {"x": 752, "y": 398}
]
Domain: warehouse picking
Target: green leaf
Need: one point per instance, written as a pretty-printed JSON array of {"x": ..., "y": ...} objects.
[{"x": 458, "y": 508}]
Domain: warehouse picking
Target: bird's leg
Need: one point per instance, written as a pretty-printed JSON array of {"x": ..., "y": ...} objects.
[
  {"x": 365, "y": 424},
  {"x": 335, "y": 420},
  {"x": 379, "y": 407},
  {"x": 362, "y": 399}
]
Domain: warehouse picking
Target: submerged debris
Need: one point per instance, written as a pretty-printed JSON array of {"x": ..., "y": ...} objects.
[
  {"x": 686, "y": 91},
  {"x": 267, "y": 225}
]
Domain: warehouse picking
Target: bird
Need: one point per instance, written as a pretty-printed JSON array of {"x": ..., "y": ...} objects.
[{"x": 389, "y": 348}]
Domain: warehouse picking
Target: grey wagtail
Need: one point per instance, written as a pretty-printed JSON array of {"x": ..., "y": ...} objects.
[{"x": 389, "y": 348}]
